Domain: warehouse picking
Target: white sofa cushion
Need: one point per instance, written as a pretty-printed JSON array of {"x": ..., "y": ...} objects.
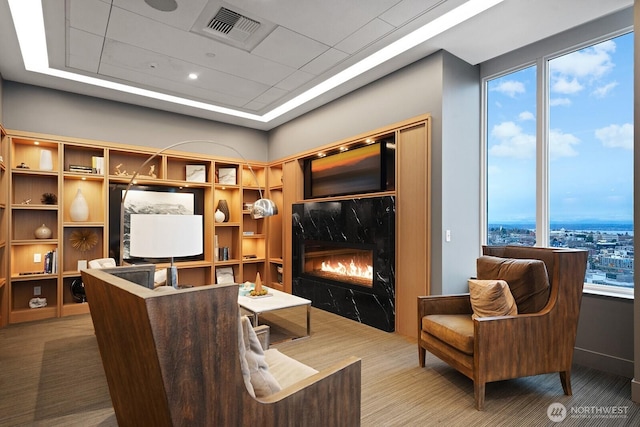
[{"x": 287, "y": 371}]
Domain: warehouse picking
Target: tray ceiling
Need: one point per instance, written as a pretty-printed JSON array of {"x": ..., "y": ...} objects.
[{"x": 249, "y": 58}]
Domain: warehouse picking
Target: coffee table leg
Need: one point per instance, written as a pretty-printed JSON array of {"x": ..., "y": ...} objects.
[
  {"x": 255, "y": 319},
  {"x": 308, "y": 319}
]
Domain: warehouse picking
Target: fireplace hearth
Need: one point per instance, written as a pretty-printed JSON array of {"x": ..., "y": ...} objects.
[{"x": 344, "y": 258}]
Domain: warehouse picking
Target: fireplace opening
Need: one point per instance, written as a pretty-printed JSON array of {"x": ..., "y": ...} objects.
[{"x": 336, "y": 262}]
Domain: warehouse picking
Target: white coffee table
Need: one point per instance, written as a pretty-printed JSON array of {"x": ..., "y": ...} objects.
[{"x": 277, "y": 301}]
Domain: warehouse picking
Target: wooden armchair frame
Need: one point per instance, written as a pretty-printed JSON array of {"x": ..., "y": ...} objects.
[
  {"x": 515, "y": 346},
  {"x": 173, "y": 359}
]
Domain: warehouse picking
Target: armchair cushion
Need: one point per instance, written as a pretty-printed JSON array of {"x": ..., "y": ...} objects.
[
  {"x": 285, "y": 369},
  {"x": 527, "y": 279},
  {"x": 454, "y": 329},
  {"x": 491, "y": 298}
]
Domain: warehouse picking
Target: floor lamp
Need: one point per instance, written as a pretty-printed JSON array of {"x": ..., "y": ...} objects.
[
  {"x": 166, "y": 236},
  {"x": 262, "y": 208}
]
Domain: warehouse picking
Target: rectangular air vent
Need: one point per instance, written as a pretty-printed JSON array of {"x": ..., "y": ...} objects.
[{"x": 233, "y": 25}]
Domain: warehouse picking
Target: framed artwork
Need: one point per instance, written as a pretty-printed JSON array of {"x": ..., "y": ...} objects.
[
  {"x": 196, "y": 173},
  {"x": 224, "y": 275},
  {"x": 153, "y": 202},
  {"x": 227, "y": 176}
]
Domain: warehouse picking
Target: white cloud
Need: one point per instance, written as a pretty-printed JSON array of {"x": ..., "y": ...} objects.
[
  {"x": 564, "y": 86},
  {"x": 559, "y": 102},
  {"x": 562, "y": 144},
  {"x": 526, "y": 115},
  {"x": 513, "y": 142},
  {"x": 572, "y": 72},
  {"x": 602, "y": 91},
  {"x": 510, "y": 88},
  {"x": 615, "y": 136},
  {"x": 592, "y": 62}
]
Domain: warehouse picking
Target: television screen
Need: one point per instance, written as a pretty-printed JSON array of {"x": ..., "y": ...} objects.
[{"x": 360, "y": 170}]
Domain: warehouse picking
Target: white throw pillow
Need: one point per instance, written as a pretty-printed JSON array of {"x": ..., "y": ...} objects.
[{"x": 252, "y": 362}]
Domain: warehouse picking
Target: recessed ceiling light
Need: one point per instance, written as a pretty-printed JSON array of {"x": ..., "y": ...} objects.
[
  {"x": 29, "y": 25},
  {"x": 193, "y": 76},
  {"x": 163, "y": 5},
  {"x": 36, "y": 142},
  {"x": 344, "y": 148}
]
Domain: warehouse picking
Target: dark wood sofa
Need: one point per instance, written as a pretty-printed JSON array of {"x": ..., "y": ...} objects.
[{"x": 173, "y": 359}]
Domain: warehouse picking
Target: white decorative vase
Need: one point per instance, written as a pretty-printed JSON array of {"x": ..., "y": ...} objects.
[
  {"x": 46, "y": 160},
  {"x": 219, "y": 216},
  {"x": 79, "y": 209}
]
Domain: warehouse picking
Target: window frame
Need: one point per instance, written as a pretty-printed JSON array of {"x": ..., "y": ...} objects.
[{"x": 542, "y": 150}]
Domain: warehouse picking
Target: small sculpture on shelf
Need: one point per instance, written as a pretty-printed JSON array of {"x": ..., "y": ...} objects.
[
  {"x": 23, "y": 165},
  {"x": 83, "y": 240},
  {"x": 118, "y": 171},
  {"x": 49, "y": 199},
  {"x": 26, "y": 201},
  {"x": 152, "y": 171}
]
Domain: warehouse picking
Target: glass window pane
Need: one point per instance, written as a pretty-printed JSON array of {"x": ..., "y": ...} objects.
[
  {"x": 511, "y": 158},
  {"x": 591, "y": 157}
]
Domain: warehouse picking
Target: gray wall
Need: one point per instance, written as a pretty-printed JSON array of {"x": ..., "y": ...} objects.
[
  {"x": 414, "y": 90},
  {"x": 36, "y": 109},
  {"x": 404, "y": 94},
  {"x": 605, "y": 329},
  {"x": 460, "y": 175}
]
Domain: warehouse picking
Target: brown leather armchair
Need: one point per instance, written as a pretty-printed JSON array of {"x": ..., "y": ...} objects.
[{"x": 490, "y": 349}]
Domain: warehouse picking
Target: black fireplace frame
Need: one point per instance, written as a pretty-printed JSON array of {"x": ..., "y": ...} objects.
[{"x": 360, "y": 222}]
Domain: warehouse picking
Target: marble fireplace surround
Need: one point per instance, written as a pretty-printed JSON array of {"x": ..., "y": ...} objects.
[{"x": 367, "y": 222}]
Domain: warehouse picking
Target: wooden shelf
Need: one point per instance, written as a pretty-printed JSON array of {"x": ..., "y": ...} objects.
[{"x": 120, "y": 161}]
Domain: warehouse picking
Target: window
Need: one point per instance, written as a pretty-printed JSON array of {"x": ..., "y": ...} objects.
[
  {"x": 511, "y": 158},
  {"x": 580, "y": 194}
]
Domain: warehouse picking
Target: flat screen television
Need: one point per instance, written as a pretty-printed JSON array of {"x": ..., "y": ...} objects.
[{"x": 366, "y": 169}]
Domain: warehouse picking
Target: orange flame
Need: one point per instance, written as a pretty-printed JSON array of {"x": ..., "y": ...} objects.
[{"x": 350, "y": 270}]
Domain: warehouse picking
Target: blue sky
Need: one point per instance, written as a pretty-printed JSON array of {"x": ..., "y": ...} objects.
[{"x": 590, "y": 135}]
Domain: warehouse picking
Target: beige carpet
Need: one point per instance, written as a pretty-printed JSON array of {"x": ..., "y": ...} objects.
[{"x": 51, "y": 375}]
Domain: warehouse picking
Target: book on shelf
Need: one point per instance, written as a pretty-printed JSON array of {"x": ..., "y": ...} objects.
[
  {"x": 51, "y": 262},
  {"x": 97, "y": 164},
  {"x": 80, "y": 168}
]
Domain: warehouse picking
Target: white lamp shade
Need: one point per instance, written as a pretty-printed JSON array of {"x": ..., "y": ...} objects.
[{"x": 163, "y": 236}]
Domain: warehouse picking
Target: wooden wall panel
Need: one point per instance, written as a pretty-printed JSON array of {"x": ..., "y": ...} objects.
[
  {"x": 413, "y": 224},
  {"x": 292, "y": 193}
]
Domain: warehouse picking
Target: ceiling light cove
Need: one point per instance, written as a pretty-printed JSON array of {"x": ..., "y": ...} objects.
[{"x": 29, "y": 24}]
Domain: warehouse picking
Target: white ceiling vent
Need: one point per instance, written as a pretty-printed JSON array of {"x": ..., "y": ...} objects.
[
  {"x": 225, "y": 23},
  {"x": 233, "y": 25}
]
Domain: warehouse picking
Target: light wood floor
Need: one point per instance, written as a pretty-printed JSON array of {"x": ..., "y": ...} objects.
[{"x": 51, "y": 375}]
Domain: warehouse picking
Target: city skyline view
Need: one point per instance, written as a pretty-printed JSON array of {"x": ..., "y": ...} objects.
[{"x": 586, "y": 180}]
